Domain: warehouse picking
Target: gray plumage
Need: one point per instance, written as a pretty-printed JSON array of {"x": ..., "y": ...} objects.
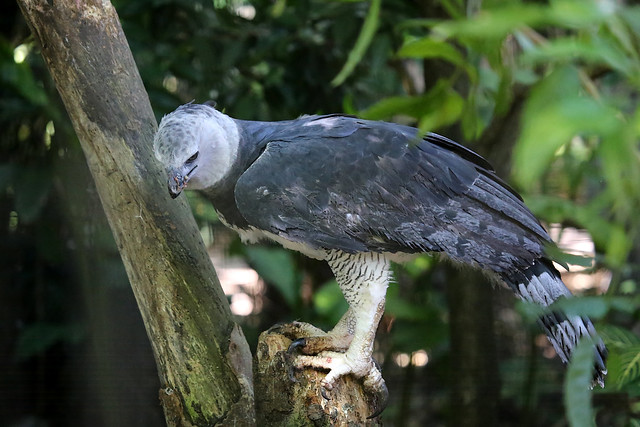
[{"x": 322, "y": 184}]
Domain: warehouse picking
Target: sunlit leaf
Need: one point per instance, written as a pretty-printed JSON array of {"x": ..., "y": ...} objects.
[
  {"x": 579, "y": 13},
  {"x": 447, "y": 110},
  {"x": 599, "y": 51},
  {"x": 438, "y": 107},
  {"x": 388, "y": 107},
  {"x": 497, "y": 23},
  {"x": 431, "y": 48},
  {"x": 556, "y": 112}
]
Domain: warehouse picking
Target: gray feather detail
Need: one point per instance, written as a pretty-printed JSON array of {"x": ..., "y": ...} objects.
[
  {"x": 319, "y": 173},
  {"x": 541, "y": 284}
]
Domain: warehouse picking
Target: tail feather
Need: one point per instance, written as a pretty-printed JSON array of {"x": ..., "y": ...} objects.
[{"x": 541, "y": 284}]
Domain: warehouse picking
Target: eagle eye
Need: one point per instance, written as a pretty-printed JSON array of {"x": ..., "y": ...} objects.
[{"x": 193, "y": 158}]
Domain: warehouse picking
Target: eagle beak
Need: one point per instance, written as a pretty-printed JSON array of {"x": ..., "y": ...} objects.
[{"x": 176, "y": 183}]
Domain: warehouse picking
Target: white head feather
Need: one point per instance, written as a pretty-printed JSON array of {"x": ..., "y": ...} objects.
[{"x": 198, "y": 144}]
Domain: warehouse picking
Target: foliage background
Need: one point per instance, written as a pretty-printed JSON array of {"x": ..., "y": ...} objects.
[{"x": 558, "y": 79}]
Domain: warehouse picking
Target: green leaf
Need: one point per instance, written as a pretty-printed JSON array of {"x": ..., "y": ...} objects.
[
  {"x": 276, "y": 266},
  {"x": 530, "y": 311},
  {"x": 498, "y": 22},
  {"x": 592, "y": 307},
  {"x": 611, "y": 236},
  {"x": 389, "y": 107},
  {"x": 561, "y": 257},
  {"x": 577, "y": 386},
  {"x": 328, "y": 301},
  {"x": 618, "y": 246},
  {"x": 403, "y": 309},
  {"x": 597, "y": 51},
  {"x": 431, "y": 48},
  {"x": 20, "y": 77},
  {"x": 630, "y": 361},
  {"x": 624, "y": 304},
  {"x": 362, "y": 43},
  {"x": 578, "y": 13},
  {"x": 615, "y": 336},
  {"x": 438, "y": 107},
  {"x": 555, "y": 113},
  {"x": 492, "y": 24},
  {"x": 445, "y": 113}
]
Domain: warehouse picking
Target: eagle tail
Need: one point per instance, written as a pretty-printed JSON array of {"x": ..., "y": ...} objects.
[{"x": 541, "y": 284}]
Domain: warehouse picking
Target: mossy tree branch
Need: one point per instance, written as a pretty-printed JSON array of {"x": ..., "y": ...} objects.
[{"x": 203, "y": 359}]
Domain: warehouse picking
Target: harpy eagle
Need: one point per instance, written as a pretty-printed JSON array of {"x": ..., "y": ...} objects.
[{"x": 360, "y": 194}]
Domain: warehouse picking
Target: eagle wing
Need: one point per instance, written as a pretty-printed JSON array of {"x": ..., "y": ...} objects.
[{"x": 337, "y": 182}]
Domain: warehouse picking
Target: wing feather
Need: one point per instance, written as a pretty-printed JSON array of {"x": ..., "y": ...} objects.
[{"x": 341, "y": 183}]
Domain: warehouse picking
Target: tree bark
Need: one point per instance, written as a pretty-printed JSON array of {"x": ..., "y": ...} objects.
[{"x": 203, "y": 359}]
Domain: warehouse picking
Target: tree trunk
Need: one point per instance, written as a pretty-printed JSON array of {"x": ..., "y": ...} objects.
[
  {"x": 203, "y": 359},
  {"x": 475, "y": 381}
]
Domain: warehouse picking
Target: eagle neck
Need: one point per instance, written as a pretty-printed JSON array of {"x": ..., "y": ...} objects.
[{"x": 253, "y": 139}]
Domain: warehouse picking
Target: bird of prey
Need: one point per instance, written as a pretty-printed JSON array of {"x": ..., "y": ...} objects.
[{"x": 361, "y": 194}]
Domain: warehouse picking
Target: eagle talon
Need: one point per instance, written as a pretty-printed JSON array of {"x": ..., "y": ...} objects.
[
  {"x": 381, "y": 400},
  {"x": 325, "y": 393},
  {"x": 375, "y": 386},
  {"x": 289, "y": 358},
  {"x": 292, "y": 372},
  {"x": 292, "y": 375},
  {"x": 299, "y": 343}
]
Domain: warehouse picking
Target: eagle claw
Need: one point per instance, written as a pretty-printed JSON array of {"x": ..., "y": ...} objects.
[
  {"x": 374, "y": 385},
  {"x": 289, "y": 356},
  {"x": 324, "y": 391},
  {"x": 299, "y": 343},
  {"x": 340, "y": 364}
]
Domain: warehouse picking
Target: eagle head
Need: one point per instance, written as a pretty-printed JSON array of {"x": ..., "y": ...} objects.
[{"x": 196, "y": 144}]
